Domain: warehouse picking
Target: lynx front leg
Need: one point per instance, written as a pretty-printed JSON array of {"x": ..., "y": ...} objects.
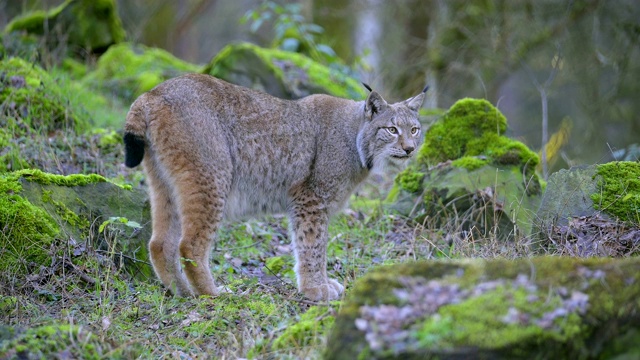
[{"x": 309, "y": 223}]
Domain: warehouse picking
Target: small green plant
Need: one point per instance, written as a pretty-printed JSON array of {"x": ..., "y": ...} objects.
[
  {"x": 184, "y": 261},
  {"x": 292, "y": 32},
  {"x": 118, "y": 219}
]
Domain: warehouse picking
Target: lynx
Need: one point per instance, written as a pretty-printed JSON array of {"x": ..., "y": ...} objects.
[{"x": 214, "y": 150}]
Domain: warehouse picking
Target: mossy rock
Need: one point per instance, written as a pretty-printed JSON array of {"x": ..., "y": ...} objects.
[
  {"x": 487, "y": 199},
  {"x": 607, "y": 192},
  {"x": 40, "y": 213},
  {"x": 472, "y": 132},
  {"x": 128, "y": 70},
  {"x": 468, "y": 169},
  {"x": 86, "y": 25},
  {"x": 281, "y": 73},
  {"x": 539, "y": 308}
]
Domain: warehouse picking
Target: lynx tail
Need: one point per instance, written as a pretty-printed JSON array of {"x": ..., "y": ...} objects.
[{"x": 134, "y": 135}]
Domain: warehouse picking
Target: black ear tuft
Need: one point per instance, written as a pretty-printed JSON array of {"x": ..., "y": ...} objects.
[
  {"x": 367, "y": 87},
  {"x": 425, "y": 89}
]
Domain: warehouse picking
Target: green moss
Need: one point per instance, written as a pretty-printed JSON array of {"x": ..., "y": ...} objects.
[
  {"x": 619, "y": 186},
  {"x": 35, "y": 98},
  {"x": 27, "y": 231},
  {"x": 474, "y": 127},
  {"x": 410, "y": 179},
  {"x": 130, "y": 69},
  {"x": 108, "y": 139},
  {"x": 10, "y": 157},
  {"x": 469, "y": 162},
  {"x": 76, "y": 69},
  {"x": 89, "y": 24},
  {"x": 308, "y": 330},
  {"x": 38, "y": 176},
  {"x": 248, "y": 64},
  {"x": 479, "y": 321},
  {"x": 275, "y": 264},
  {"x": 58, "y": 341}
]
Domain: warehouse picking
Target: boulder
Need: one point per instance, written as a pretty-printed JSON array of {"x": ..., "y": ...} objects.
[
  {"x": 281, "y": 73},
  {"x": 44, "y": 216},
  {"x": 84, "y": 25},
  {"x": 539, "y": 308},
  {"x": 469, "y": 171},
  {"x": 591, "y": 210},
  {"x": 128, "y": 70}
]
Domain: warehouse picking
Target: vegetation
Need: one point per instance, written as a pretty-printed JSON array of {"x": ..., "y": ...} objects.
[{"x": 620, "y": 194}]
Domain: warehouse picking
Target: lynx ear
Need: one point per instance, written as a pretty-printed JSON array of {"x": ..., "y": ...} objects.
[
  {"x": 415, "y": 102},
  {"x": 374, "y": 104}
]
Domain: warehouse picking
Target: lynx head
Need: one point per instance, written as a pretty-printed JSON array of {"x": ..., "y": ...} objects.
[{"x": 390, "y": 131}]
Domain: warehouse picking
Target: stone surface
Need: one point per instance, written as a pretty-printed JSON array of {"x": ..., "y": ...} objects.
[
  {"x": 568, "y": 194},
  {"x": 82, "y": 25},
  {"x": 539, "y": 308},
  {"x": 72, "y": 209},
  {"x": 281, "y": 73}
]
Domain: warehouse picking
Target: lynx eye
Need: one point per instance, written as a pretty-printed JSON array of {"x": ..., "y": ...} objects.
[
  {"x": 392, "y": 130},
  {"x": 414, "y": 131}
]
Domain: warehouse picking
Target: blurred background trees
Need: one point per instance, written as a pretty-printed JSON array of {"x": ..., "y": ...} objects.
[{"x": 504, "y": 51}]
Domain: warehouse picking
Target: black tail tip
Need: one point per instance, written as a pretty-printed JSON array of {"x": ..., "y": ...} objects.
[{"x": 133, "y": 149}]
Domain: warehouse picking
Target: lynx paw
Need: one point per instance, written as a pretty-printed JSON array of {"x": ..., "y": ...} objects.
[{"x": 330, "y": 290}]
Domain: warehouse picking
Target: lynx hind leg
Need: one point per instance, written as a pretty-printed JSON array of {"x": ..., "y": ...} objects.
[
  {"x": 309, "y": 224},
  {"x": 201, "y": 205},
  {"x": 166, "y": 230}
]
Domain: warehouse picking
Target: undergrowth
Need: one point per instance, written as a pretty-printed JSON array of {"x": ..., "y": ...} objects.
[{"x": 84, "y": 296}]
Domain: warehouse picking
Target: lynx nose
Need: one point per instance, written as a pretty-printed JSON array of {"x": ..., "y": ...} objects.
[{"x": 408, "y": 149}]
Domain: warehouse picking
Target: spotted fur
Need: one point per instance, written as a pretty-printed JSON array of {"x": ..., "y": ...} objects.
[{"x": 213, "y": 150}]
